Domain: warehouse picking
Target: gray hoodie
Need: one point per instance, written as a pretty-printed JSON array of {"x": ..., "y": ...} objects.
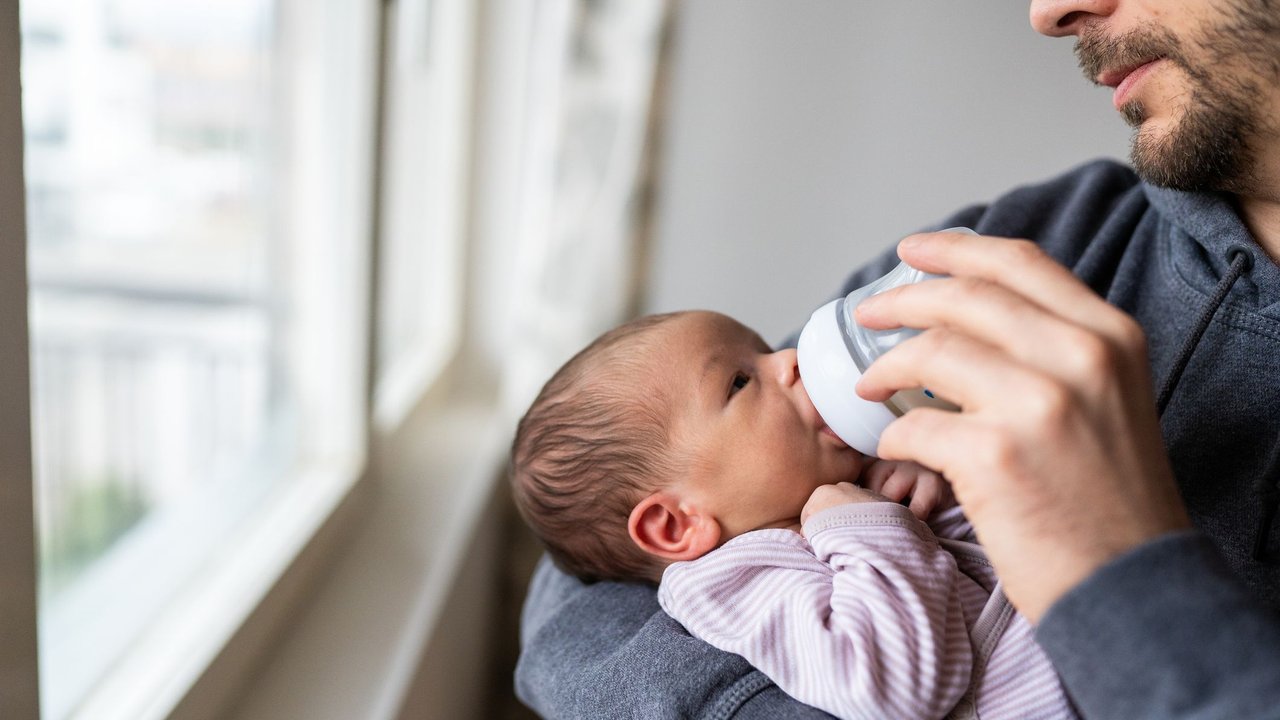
[{"x": 1185, "y": 626}]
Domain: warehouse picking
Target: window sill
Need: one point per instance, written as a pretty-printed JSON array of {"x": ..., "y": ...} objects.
[
  {"x": 169, "y": 660},
  {"x": 355, "y": 650},
  {"x": 409, "y": 378}
]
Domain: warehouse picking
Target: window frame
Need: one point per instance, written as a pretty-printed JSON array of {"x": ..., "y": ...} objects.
[
  {"x": 19, "y": 684},
  {"x": 428, "y": 72}
]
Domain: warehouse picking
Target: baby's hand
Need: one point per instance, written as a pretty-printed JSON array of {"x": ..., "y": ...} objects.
[
  {"x": 829, "y": 496},
  {"x": 897, "y": 480}
]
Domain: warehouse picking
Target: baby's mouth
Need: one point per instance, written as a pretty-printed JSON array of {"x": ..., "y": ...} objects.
[
  {"x": 828, "y": 431},
  {"x": 816, "y": 417}
]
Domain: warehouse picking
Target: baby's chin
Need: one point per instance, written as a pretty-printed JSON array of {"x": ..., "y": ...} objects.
[{"x": 857, "y": 462}]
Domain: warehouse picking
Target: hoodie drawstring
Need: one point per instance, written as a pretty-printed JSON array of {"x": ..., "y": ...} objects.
[
  {"x": 1267, "y": 493},
  {"x": 1241, "y": 261}
]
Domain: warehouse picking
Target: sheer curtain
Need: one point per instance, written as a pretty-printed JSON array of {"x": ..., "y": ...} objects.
[{"x": 579, "y": 229}]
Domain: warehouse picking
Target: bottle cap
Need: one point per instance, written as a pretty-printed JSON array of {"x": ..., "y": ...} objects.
[
  {"x": 834, "y": 351},
  {"x": 829, "y": 373}
]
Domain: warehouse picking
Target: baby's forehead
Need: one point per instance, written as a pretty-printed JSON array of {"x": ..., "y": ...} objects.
[
  {"x": 705, "y": 330},
  {"x": 678, "y": 355},
  {"x": 658, "y": 361}
]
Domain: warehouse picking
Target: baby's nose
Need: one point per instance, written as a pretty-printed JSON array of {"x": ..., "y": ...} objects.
[{"x": 784, "y": 367}]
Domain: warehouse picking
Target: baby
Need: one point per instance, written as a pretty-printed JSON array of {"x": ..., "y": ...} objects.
[{"x": 680, "y": 449}]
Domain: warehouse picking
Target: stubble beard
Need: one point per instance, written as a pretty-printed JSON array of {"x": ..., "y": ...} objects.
[
  {"x": 1210, "y": 147},
  {"x": 1206, "y": 150}
]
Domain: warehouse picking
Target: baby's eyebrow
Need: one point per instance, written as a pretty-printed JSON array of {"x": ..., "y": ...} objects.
[
  {"x": 709, "y": 369},
  {"x": 709, "y": 366}
]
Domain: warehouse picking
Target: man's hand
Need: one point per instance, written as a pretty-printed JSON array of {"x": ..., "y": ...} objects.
[
  {"x": 1056, "y": 453},
  {"x": 829, "y": 496},
  {"x": 900, "y": 480}
]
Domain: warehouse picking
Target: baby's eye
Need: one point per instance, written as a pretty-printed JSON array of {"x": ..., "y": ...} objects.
[{"x": 740, "y": 381}]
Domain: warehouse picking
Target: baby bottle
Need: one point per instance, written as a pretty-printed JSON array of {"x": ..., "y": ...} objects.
[{"x": 834, "y": 351}]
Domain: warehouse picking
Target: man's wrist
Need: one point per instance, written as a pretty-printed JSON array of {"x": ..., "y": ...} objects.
[{"x": 1073, "y": 568}]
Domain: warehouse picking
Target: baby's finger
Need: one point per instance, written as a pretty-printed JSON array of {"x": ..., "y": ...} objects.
[
  {"x": 925, "y": 499},
  {"x": 877, "y": 474},
  {"x": 899, "y": 484}
]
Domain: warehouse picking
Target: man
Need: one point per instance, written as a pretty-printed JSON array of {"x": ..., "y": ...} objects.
[{"x": 1084, "y": 482}]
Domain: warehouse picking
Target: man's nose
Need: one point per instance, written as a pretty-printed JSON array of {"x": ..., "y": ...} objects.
[
  {"x": 1058, "y": 18},
  {"x": 783, "y": 367}
]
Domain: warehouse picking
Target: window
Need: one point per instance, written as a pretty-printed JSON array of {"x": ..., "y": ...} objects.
[
  {"x": 425, "y": 157},
  {"x": 200, "y": 182},
  {"x": 197, "y": 188}
]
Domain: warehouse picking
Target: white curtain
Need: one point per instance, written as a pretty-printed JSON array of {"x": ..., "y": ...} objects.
[{"x": 592, "y": 79}]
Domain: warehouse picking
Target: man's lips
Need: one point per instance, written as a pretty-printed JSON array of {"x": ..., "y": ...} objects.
[{"x": 1124, "y": 78}]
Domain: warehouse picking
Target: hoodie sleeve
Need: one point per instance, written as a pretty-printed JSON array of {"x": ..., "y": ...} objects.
[{"x": 1132, "y": 640}]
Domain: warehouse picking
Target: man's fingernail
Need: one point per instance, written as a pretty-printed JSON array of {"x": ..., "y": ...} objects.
[{"x": 911, "y": 241}]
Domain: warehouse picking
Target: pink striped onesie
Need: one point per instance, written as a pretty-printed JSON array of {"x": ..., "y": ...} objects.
[{"x": 873, "y": 617}]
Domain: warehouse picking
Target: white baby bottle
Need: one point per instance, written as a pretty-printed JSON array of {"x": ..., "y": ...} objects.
[{"x": 834, "y": 351}]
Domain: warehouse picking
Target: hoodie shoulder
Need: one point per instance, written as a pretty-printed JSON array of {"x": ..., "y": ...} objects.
[{"x": 1065, "y": 213}]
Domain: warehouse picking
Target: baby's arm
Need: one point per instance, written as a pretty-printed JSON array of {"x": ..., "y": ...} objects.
[{"x": 870, "y": 627}]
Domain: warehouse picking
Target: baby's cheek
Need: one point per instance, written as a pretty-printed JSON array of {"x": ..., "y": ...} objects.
[{"x": 860, "y": 463}]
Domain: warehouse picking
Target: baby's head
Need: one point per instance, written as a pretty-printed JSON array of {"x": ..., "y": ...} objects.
[
  {"x": 590, "y": 446},
  {"x": 665, "y": 438}
]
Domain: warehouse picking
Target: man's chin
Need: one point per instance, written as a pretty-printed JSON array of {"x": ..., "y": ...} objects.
[
  {"x": 1134, "y": 114},
  {"x": 1201, "y": 149}
]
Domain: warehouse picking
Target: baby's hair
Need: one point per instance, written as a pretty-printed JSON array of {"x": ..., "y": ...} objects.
[{"x": 590, "y": 447}]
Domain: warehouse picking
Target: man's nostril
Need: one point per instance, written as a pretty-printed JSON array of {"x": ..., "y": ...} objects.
[{"x": 1069, "y": 19}]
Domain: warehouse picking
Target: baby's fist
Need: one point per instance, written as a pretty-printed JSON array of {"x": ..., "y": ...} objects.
[{"x": 829, "y": 496}]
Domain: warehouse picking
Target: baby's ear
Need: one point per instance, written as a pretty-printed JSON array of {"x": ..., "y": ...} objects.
[{"x": 662, "y": 525}]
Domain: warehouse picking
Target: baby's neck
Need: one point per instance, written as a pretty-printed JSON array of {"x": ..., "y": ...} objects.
[{"x": 790, "y": 524}]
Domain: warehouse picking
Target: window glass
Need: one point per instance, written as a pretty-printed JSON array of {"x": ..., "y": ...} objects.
[{"x": 159, "y": 305}]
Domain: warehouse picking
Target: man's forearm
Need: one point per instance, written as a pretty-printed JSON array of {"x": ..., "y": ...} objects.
[{"x": 1132, "y": 640}]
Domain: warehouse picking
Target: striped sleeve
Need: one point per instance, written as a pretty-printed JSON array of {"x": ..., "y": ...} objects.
[
  {"x": 864, "y": 623},
  {"x": 952, "y": 523}
]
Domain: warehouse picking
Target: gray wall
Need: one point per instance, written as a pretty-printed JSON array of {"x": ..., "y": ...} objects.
[{"x": 803, "y": 136}]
